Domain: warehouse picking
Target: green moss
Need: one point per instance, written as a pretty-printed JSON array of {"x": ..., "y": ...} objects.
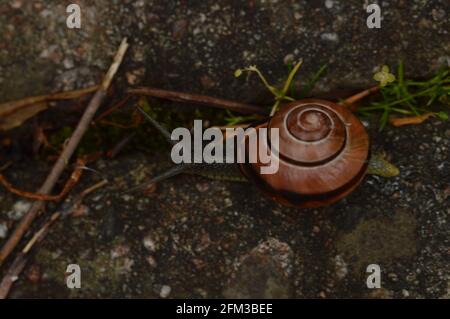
[
  {"x": 379, "y": 241},
  {"x": 100, "y": 274}
]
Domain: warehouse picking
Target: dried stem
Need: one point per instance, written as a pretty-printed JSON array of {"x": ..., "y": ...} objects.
[
  {"x": 201, "y": 100},
  {"x": 10, "y": 107},
  {"x": 350, "y": 101},
  {"x": 22, "y": 257},
  {"x": 65, "y": 156},
  {"x": 418, "y": 119},
  {"x": 71, "y": 182},
  {"x": 113, "y": 108}
]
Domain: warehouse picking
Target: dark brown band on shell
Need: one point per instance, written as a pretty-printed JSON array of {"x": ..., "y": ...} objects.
[{"x": 323, "y": 154}]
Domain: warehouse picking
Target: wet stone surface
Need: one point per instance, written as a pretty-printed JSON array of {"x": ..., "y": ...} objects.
[
  {"x": 208, "y": 40},
  {"x": 198, "y": 238}
]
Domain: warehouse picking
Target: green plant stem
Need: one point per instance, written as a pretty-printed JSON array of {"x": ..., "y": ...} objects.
[
  {"x": 378, "y": 107},
  {"x": 287, "y": 85}
]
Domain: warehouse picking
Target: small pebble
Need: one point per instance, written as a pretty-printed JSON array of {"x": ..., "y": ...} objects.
[
  {"x": 149, "y": 243},
  {"x": 120, "y": 250},
  {"x": 329, "y": 4},
  {"x": 165, "y": 291},
  {"x": 228, "y": 202},
  {"x": 16, "y": 4},
  {"x": 3, "y": 230},
  {"x": 19, "y": 210},
  {"x": 333, "y": 37},
  {"x": 202, "y": 187},
  {"x": 68, "y": 63},
  {"x": 152, "y": 261},
  {"x": 127, "y": 198}
]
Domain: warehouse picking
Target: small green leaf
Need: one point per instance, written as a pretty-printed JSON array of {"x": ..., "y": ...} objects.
[
  {"x": 442, "y": 115},
  {"x": 383, "y": 76},
  {"x": 238, "y": 73}
]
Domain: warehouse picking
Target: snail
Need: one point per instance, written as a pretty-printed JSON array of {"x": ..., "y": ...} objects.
[{"x": 324, "y": 154}]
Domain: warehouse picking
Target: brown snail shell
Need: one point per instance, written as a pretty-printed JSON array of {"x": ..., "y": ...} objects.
[{"x": 323, "y": 154}]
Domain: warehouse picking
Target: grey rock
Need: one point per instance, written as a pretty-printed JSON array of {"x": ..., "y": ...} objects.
[
  {"x": 171, "y": 39},
  {"x": 263, "y": 273}
]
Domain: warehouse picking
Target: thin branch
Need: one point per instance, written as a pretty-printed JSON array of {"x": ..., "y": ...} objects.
[
  {"x": 21, "y": 259},
  {"x": 121, "y": 145},
  {"x": 201, "y": 100},
  {"x": 11, "y": 107},
  {"x": 71, "y": 182},
  {"x": 418, "y": 119},
  {"x": 350, "y": 101},
  {"x": 113, "y": 108},
  {"x": 65, "y": 156}
]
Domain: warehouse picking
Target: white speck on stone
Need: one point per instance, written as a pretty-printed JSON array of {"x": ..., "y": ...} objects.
[
  {"x": 228, "y": 202},
  {"x": 16, "y": 4},
  {"x": 3, "y": 230},
  {"x": 127, "y": 198},
  {"x": 329, "y": 37},
  {"x": 405, "y": 293},
  {"x": 119, "y": 251},
  {"x": 341, "y": 267},
  {"x": 329, "y": 4},
  {"x": 46, "y": 53},
  {"x": 68, "y": 63},
  {"x": 125, "y": 265},
  {"x": 19, "y": 210},
  {"x": 149, "y": 243},
  {"x": 196, "y": 31},
  {"x": 152, "y": 261},
  {"x": 46, "y": 13},
  {"x": 165, "y": 291}
]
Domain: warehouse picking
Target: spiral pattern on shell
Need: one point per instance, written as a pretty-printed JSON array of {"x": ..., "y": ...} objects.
[{"x": 323, "y": 154}]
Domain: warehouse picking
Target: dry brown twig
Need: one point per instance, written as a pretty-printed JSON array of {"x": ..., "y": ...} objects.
[
  {"x": 21, "y": 259},
  {"x": 231, "y": 105},
  {"x": 66, "y": 154},
  {"x": 201, "y": 100},
  {"x": 411, "y": 120},
  {"x": 10, "y": 107},
  {"x": 119, "y": 146},
  {"x": 350, "y": 101},
  {"x": 113, "y": 108},
  {"x": 71, "y": 182}
]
